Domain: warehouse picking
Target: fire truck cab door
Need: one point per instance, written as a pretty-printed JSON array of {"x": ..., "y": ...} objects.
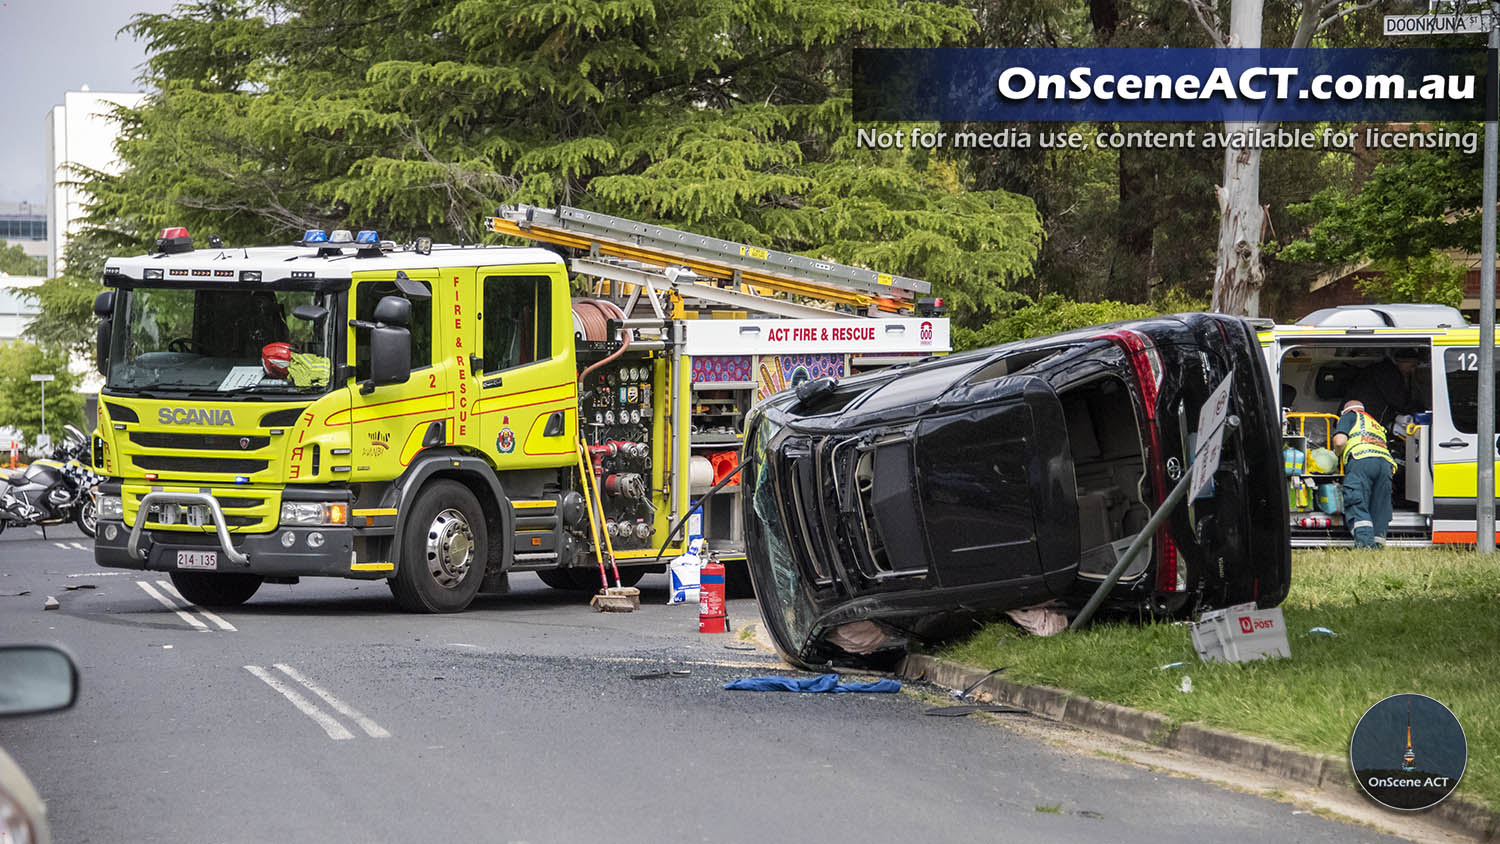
[
  {"x": 1455, "y": 456},
  {"x": 390, "y": 422},
  {"x": 528, "y": 398}
]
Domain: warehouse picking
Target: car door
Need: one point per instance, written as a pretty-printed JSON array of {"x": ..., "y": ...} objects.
[
  {"x": 528, "y": 398},
  {"x": 1454, "y": 446},
  {"x": 996, "y": 486}
]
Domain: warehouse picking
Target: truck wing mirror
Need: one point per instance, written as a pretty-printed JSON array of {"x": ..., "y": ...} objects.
[
  {"x": 310, "y": 313},
  {"x": 104, "y": 303},
  {"x": 390, "y": 356},
  {"x": 409, "y": 288},
  {"x": 393, "y": 310},
  {"x": 101, "y": 347}
]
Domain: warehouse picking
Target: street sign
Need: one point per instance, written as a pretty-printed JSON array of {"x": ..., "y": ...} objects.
[
  {"x": 1461, "y": 23},
  {"x": 43, "y": 377},
  {"x": 1210, "y": 436}
]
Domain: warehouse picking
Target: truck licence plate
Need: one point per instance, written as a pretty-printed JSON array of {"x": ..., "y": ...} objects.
[{"x": 198, "y": 559}]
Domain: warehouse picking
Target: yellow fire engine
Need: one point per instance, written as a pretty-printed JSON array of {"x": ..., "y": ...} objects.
[{"x": 429, "y": 414}]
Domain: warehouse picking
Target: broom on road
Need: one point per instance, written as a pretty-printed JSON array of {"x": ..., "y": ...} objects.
[{"x": 610, "y": 598}]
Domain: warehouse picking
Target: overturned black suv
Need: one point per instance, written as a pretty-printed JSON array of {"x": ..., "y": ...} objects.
[{"x": 902, "y": 504}]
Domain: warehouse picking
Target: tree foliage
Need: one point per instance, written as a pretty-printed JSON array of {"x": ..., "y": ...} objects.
[
  {"x": 1053, "y": 314},
  {"x": 726, "y": 117},
  {"x": 15, "y": 261},
  {"x": 21, "y": 398}
]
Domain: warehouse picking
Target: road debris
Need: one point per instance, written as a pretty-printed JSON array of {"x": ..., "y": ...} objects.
[
  {"x": 823, "y": 683},
  {"x": 73, "y": 587},
  {"x": 1320, "y": 631},
  {"x": 51, "y": 603},
  {"x": 660, "y": 675},
  {"x": 15, "y": 594},
  {"x": 970, "y": 708}
]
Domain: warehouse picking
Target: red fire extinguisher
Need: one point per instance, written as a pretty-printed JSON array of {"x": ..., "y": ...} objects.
[{"x": 711, "y": 617}]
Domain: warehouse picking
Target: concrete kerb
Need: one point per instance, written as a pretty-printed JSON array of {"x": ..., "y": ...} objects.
[{"x": 1254, "y": 754}]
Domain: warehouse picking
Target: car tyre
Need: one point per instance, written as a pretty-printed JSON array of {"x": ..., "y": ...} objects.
[
  {"x": 444, "y": 547},
  {"x": 215, "y": 589}
]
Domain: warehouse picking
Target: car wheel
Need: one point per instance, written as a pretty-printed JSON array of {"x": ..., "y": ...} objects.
[
  {"x": 444, "y": 548},
  {"x": 215, "y": 589},
  {"x": 87, "y": 517}
]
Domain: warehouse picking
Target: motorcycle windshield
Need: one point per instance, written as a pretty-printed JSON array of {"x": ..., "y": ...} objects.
[{"x": 223, "y": 341}]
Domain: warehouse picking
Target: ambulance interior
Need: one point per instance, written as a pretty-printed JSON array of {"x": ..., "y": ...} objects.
[{"x": 1315, "y": 381}]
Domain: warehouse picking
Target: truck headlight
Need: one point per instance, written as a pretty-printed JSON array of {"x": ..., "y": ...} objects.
[
  {"x": 111, "y": 507},
  {"x": 314, "y": 513}
]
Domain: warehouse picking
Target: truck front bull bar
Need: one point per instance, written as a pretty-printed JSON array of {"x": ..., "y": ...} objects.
[{"x": 144, "y": 507}]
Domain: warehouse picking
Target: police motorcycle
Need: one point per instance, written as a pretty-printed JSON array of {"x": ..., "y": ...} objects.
[{"x": 55, "y": 491}]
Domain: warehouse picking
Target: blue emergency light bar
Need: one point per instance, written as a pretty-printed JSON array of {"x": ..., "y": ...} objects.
[
  {"x": 369, "y": 236},
  {"x": 312, "y": 236}
]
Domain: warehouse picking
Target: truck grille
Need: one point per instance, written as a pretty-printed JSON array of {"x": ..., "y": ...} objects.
[
  {"x": 221, "y": 442},
  {"x": 246, "y": 510},
  {"x": 223, "y": 465}
]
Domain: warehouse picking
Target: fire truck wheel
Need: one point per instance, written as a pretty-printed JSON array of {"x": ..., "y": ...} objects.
[
  {"x": 443, "y": 550},
  {"x": 215, "y": 589}
]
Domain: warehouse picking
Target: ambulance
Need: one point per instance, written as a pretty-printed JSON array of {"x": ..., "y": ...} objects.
[{"x": 1426, "y": 359}]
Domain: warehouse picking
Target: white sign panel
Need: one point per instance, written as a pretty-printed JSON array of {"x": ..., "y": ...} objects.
[
  {"x": 1210, "y": 437},
  {"x": 1472, "y": 23},
  {"x": 812, "y": 336}
]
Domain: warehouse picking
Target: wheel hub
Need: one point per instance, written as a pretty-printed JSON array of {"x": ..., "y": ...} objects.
[{"x": 450, "y": 548}]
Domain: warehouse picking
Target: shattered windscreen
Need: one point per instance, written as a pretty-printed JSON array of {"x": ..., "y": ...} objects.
[{"x": 793, "y": 612}]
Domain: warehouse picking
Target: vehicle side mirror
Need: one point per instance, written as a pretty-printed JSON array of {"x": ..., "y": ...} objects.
[
  {"x": 104, "y": 303},
  {"x": 101, "y": 347},
  {"x": 393, "y": 310},
  {"x": 36, "y": 678},
  {"x": 390, "y": 354},
  {"x": 310, "y": 313}
]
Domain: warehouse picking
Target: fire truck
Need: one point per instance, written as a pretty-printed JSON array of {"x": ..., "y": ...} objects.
[{"x": 439, "y": 416}]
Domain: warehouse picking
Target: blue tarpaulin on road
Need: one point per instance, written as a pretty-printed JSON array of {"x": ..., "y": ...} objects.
[{"x": 823, "y": 683}]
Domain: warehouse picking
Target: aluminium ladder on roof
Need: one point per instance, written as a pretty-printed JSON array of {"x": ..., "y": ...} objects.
[{"x": 711, "y": 258}]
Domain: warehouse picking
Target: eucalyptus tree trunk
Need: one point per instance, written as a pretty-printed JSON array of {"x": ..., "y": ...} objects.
[{"x": 1238, "y": 274}]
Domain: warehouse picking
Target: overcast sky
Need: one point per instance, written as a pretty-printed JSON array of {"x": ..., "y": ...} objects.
[{"x": 48, "y": 47}]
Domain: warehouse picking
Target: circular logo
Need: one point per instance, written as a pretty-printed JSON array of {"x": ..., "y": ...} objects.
[{"x": 1408, "y": 752}]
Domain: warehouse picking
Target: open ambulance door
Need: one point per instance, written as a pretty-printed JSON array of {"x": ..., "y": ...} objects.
[{"x": 1454, "y": 442}]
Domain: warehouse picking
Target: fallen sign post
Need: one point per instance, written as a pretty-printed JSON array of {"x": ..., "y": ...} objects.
[{"x": 1214, "y": 417}]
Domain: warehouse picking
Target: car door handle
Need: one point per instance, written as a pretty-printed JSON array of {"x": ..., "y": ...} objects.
[{"x": 1453, "y": 443}]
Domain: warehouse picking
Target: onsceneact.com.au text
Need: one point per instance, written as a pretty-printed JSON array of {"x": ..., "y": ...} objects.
[{"x": 1254, "y": 83}]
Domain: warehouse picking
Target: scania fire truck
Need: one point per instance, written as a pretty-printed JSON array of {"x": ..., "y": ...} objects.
[{"x": 430, "y": 415}]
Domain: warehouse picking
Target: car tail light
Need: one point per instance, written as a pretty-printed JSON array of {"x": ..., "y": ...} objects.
[{"x": 1145, "y": 360}]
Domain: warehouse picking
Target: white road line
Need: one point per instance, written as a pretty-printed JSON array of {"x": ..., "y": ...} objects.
[
  {"x": 101, "y": 573},
  {"x": 60, "y": 545},
  {"x": 335, "y": 730},
  {"x": 151, "y": 590},
  {"x": 78, "y": 546},
  {"x": 167, "y": 587},
  {"x": 373, "y": 729}
]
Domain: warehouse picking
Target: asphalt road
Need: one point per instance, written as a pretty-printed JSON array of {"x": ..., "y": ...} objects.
[{"x": 319, "y": 712}]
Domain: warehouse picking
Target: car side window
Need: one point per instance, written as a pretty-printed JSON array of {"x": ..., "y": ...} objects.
[
  {"x": 365, "y": 299},
  {"x": 517, "y": 319}
]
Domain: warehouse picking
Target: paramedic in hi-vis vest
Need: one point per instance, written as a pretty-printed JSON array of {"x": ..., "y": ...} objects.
[{"x": 1367, "y": 466}]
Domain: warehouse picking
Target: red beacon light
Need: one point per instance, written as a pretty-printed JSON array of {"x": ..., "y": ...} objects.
[{"x": 173, "y": 240}]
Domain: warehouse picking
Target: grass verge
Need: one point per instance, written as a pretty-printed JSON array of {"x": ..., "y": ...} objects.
[{"x": 1407, "y": 620}]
